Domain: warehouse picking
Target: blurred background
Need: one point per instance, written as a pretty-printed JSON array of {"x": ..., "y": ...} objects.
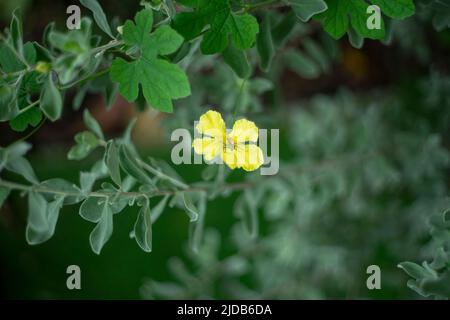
[{"x": 364, "y": 144}]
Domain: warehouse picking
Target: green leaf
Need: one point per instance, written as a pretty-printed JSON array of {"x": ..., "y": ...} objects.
[
  {"x": 4, "y": 193},
  {"x": 99, "y": 15},
  {"x": 196, "y": 229},
  {"x": 225, "y": 25},
  {"x": 130, "y": 165},
  {"x": 73, "y": 194},
  {"x": 414, "y": 270},
  {"x": 8, "y": 103},
  {"x": 31, "y": 117},
  {"x": 42, "y": 217},
  {"x": 143, "y": 227},
  {"x": 237, "y": 60},
  {"x": 355, "y": 39},
  {"x": 398, "y": 9},
  {"x": 87, "y": 179},
  {"x": 283, "y": 29},
  {"x": 91, "y": 209},
  {"x": 161, "y": 81},
  {"x": 103, "y": 230},
  {"x": 51, "y": 102},
  {"x": 29, "y": 53},
  {"x": 440, "y": 260},
  {"x": 13, "y": 160},
  {"x": 305, "y": 9},
  {"x": 167, "y": 40},
  {"x": 265, "y": 45},
  {"x": 341, "y": 14},
  {"x": 113, "y": 162},
  {"x": 22, "y": 166},
  {"x": 302, "y": 64},
  {"x": 189, "y": 207},
  {"x": 313, "y": 49},
  {"x": 92, "y": 124},
  {"x": 85, "y": 142},
  {"x": 18, "y": 149},
  {"x": 9, "y": 61},
  {"x": 29, "y": 86},
  {"x": 16, "y": 31},
  {"x": 437, "y": 286}
]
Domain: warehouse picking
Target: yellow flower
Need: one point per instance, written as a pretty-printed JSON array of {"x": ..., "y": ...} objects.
[{"x": 238, "y": 148}]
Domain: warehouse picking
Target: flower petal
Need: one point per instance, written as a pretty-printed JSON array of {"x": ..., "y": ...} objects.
[
  {"x": 212, "y": 124},
  {"x": 208, "y": 147},
  {"x": 229, "y": 157},
  {"x": 253, "y": 157},
  {"x": 244, "y": 131},
  {"x": 249, "y": 157}
]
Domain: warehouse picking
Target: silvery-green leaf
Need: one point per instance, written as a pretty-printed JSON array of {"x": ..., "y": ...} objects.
[
  {"x": 189, "y": 207},
  {"x": 42, "y": 217},
  {"x": 22, "y": 166},
  {"x": 196, "y": 228},
  {"x": 113, "y": 162},
  {"x": 16, "y": 31},
  {"x": 72, "y": 193},
  {"x": 143, "y": 227},
  {"x": 51, "y": 102},
  {"x": 103, "y": 230},
  {"x": 99, "y": 15},
  {"x": 92, "y": 124},
  {"x": 91, "y": 209},
  {"x": 87, "y": 179},
  {"x": 85, "y": 142},
  {"x": 130, "y": 165}
]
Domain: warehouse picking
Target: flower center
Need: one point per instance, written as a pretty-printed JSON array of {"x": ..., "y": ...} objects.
[{"x": 231, "y": 144}]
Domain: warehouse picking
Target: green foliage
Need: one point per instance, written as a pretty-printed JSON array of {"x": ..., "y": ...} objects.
[
  {"x": 356, "y": 165},
  {"x": 50, "y": 100},
  {"x": 438, "y": 11},
  {"x": 223, "y": 22},
  {"x": 304, "y": 10},
  {"x": 343, "y": 15},
  {"x": 99, "y": 15},
  {"x": 161, "y": 81}
]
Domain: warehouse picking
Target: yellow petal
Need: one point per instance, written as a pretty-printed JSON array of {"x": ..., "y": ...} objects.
[
  {"x": 244, "y": 131},
  {"x": 212, "y": 124},
  {"x": 248, "y": 156},
  {"x": 229, "y": 157},
  {"x": 253, "y": 157},
  {"x": 208, "y": 147}
]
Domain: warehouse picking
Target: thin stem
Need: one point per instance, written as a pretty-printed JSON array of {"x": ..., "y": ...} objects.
[
  {"x": 103, "y": 194},
  {"x": 111, "y": 44},
  {"x": 28, "y": 107},
  {"x": 17, "y": 73},
  {"x": 288, "y": 172},
  {"x": 162, "y": 175},
  {"x": 85, "y": 79}
]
